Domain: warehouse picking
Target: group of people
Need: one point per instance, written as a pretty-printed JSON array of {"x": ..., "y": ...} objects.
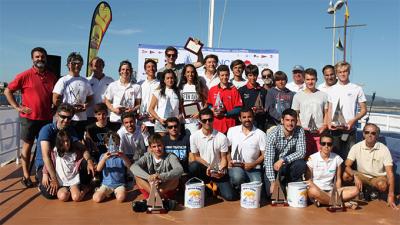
[{"x": 243, "y": 131}]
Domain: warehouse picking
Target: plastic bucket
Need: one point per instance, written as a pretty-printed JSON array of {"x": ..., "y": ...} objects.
[
  {"x": 297, "y": 194},
  {"x": 194, "y": 193},
  {"x": 250, "y": 195}
]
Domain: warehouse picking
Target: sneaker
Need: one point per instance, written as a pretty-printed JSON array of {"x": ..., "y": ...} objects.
[{"x": 27, "y": 182}]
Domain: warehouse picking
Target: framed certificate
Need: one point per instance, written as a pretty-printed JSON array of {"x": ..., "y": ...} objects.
[
  {"x": 191, "y": 109},
  {"x": 192, "y": 46}
]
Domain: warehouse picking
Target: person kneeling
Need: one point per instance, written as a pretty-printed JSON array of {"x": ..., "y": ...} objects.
[
  {"x": 112, "y": 164},
  {"x": 159, "y": 167},
  {"x": 323, "y": 166}
]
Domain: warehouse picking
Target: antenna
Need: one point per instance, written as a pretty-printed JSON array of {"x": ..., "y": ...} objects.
[{"x": 370, "y": 107}]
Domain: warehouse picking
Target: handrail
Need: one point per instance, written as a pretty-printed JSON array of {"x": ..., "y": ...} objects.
[{"x": 17, "y": 135}]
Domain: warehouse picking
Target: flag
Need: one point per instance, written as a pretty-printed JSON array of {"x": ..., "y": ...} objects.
[
  {"x": 100, "y": 21},
  {"x": 339, "y": 45},
  {"x": 347, "y": 14}
]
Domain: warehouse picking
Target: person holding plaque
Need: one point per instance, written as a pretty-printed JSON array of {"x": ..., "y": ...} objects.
[
  {"x": 253, "y": 96},
  {"x": 345, "y": 98},
  {"x": 247, "y": 146},
  {"x": 122, "y": 95},
  {"x": 165, "y": 101},
  {"x": 193, "y": 92},
  {"x": 75, "y": 90},
  {"x": 311, "y": 106},
  {"x": 225, "y": 101}
]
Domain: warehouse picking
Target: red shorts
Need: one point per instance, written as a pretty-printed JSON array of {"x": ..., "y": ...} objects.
[{"x": 312, "y": 144}]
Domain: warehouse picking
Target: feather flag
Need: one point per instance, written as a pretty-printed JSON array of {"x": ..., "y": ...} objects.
[
  {"x": 347, "y": 14},
  {"x": 339, "y": 45},
  {"x": 101, "y": 20}
]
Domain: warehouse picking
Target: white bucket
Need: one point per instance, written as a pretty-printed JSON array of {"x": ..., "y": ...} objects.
[
  {"x": 297, "y": 194},
  {"x": 194, "y": 193},
  {"x": 250, "y": 195}
]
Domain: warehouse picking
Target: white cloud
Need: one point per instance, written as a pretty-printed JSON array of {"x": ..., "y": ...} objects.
[{"x": 126, "y": 31}]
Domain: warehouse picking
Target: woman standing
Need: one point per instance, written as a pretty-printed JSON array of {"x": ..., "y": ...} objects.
[
  {"x": 192, "y": 91},
  {"x": 166, "y": 101}
]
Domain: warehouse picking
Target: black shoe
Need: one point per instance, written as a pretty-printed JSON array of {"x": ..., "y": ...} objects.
[
  {"x": 169, "y": 204},
  {"x": 139, "y": 206},
  {"x": 27, "y": 182}
]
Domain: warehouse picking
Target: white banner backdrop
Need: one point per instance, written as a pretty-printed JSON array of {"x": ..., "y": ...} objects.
[{"x": 261, "y": 58}]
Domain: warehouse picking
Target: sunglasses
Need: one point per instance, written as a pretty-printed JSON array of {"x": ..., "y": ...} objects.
[
  {"x": 210, "y": 120},
  {"x": 64, "y": 117},
  {"x": 329, "y": 144},
  {"x": 171, "y": 55},
  {"x": 76, "y": 63},
  {"x": 173, "y": 126},
  {"x": 370, "y": 132}
]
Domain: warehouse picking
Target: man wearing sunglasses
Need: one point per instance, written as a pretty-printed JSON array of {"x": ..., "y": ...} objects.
[
  {"x": 210, "y": 148},
  {"x": 48, "y": 183},
  {"x": 35, "y": 85},
  {"x": 374, "y": 166},
  {"x": 171, "y": 54},
  {"x": 177, "y": 142}
]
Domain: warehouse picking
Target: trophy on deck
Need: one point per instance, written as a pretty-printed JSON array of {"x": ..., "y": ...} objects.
[
  {"x": 278, "y": 197},
  {"x": 154, "y": 202},
  {"x": 336, "y": 203},
  {"x": 338, "y": 120},
  {"x": 237, "y": 160},
  {"x": 219, "y": 107},
  {"x": 258, "y": 105},
  {"x": 312, "y": 126}
]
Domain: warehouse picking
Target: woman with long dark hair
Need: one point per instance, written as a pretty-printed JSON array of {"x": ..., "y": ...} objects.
[
  {"x": 166, "y": 101},
  {"x": 193, "y": 90}
]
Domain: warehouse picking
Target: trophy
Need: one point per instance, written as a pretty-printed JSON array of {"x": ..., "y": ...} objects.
[
  {"x": 312, "y": 126},
  {"x": 338, "y": 120},
  {"x": 77, "y": 100},
  {"x": 336, "y": 203},
  {"x": 112, "y": 147},
  {"x": 143, "y": 114},
  {"x": 278, "y": 197},
  {"x": 168, "y": 109},
  {"x": 237, "y": 160},
  {"x": 219, "y": 105},
  {"x": 214, "y": 168},
  {"x": 154, "y": 202},
  {"x": 126, "y": 103},
  {"x": 258, "y": 105}
]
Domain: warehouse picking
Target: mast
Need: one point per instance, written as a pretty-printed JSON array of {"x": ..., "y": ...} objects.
[{"x": 211, "y": 24}]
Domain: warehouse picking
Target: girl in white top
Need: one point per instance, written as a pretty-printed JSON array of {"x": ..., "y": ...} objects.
[
  {"x": 122, "y": 95},
  {"x": 192, "y": 91},
  {"x": 166, "y": 101},
  {"x": 323, "y": 166}
]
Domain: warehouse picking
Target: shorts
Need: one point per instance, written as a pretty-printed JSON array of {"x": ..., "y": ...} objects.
[
  {"x": 30, "y": 128},
  {"x": 371, "y": 181},
  {"x": 109, "y": 190}
]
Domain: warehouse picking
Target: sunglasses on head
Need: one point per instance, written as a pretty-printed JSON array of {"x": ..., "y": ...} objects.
[
  {"x": 170, "y": 55},
  {"x": 63, "y": 117},
  {"x": 172, "y": 126},
  {"x": 329, "y": 144},
  {"x": 370, "y": 132},
  {"x": 210, "y": 120}
]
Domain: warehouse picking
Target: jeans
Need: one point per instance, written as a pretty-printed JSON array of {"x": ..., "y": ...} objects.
[
  {"x": 196, "y": 169},
  {"x": 239, "y": 176},
  {"x": 341, "y": 144}
]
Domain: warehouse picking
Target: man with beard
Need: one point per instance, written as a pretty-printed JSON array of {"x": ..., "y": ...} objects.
[{"x": 36, "y": 85}]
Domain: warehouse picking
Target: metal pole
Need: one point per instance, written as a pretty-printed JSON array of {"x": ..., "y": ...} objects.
[
  {"x": 344, "y": 39},
  {"x": 211, "y": 24},
  {"x": 333, "y": 37}
]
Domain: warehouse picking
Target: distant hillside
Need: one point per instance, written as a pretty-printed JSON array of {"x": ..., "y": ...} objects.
[{"x": 381, "y": 101}]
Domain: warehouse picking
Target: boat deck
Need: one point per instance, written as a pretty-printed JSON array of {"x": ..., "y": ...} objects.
[{"x": 19, "y": 205}]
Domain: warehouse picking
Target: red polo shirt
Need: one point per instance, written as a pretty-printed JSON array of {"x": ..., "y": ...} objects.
[
  {"x": 230, "y": 97},
  {"x": 36, "y": 89}
]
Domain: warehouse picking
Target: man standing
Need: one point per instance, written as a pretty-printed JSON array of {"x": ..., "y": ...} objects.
[
  {"x": 329, "y": 77},
  {"x": 286, "y": 148},
  {"x": 345, "y": 97},
  {"x": 247, "y": 143},
  {"x": 99, "y": 83},
  {"x": 171, "y": 54},
  {"x": 298, "y": 79},
  {"x": 374, "y": 165},
  {"x": 75, "y": 90},
  {"x": 36, "y": 85}
]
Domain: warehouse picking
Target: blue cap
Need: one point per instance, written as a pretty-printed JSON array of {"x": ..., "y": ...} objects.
[{"x": 298, "y": 67}]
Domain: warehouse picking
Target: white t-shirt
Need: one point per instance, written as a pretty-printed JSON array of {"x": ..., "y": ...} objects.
[
  {"x": 310, "y": 104},
  {"x": 208, "y": 146},
  {"x": 148, "y": 88},
  {"x": 74, "y": 90},
  {"x": 67, "y": 169},
  {"x": 349, "y": 95},
  {"x": 132, "y": 143},
  {"x": 99, "y": 87},
  {"x": 238, "y": 84},
  {"x": 209, "y": 82},
  {"x": 189, "y": 96},
  {"x": 121, "y": 95},
  {"x": 324, "y": 171},
  {"x": 251, "y": 145},
  {"x": 324, "y": 88},
  {"x": 168, "y": 105},
  {"x": 294, "y": 87}
]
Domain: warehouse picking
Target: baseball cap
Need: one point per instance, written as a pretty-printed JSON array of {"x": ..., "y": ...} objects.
[{"x": 298, "y": 67}]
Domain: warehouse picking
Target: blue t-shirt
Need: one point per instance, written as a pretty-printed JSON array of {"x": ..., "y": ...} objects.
[
  {"x": 49, "y": 133},
  {"x": 113, "y": 172}
]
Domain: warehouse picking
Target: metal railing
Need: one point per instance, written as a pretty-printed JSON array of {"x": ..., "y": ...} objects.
[
  {"x": 15, "y": 135},
  {"x": 386, "y": 122}
]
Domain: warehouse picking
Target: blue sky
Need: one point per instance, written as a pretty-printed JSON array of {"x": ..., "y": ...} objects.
[{"x": 294, "y": 27}]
